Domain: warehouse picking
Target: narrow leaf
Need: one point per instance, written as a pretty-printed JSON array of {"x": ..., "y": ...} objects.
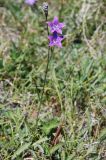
[{"x": 20, "y": 150}]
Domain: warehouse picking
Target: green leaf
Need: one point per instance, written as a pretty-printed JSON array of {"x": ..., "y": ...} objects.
[
  {"x": 55, "y": 148},
  {"x": 42, "y": 140},
  {"x": 14, "y": 55},
  {"x": 102, "y": 136},
  {"x": 50, "y": 125},
  {"x": 20, "y": 150},
  {"x": 1, "y": 63}
]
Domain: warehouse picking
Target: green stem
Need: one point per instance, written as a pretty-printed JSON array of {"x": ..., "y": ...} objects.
[{"x": 45, "y": 78}]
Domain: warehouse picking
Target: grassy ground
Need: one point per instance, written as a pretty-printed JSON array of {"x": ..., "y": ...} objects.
[{"x": 74, "y": 101}]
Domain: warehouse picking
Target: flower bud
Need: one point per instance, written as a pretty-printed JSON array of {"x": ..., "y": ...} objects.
[{"x": 45, "y": 8}]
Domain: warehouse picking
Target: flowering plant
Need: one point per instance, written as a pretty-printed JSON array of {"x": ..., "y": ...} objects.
[{"x": 55, "y": 39}]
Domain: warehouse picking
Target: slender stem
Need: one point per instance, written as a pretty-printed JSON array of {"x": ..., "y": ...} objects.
[
  {"x": 45, "y": 78},
  {"x": 48, "y": 59},
  {"x": 47, "y": 27},
  {"x": 46, "y": 71},
  {"x": 41, "y": 97}
]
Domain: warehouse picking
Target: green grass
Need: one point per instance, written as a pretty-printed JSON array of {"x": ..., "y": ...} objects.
[{"x": 75, "y": 90}]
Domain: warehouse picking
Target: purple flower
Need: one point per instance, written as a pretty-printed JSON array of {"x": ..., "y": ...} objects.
[
  {"x": 55, "y": 40},
  {"x": 30, "y": 2},
  {"x": 56, "y": 26}
]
